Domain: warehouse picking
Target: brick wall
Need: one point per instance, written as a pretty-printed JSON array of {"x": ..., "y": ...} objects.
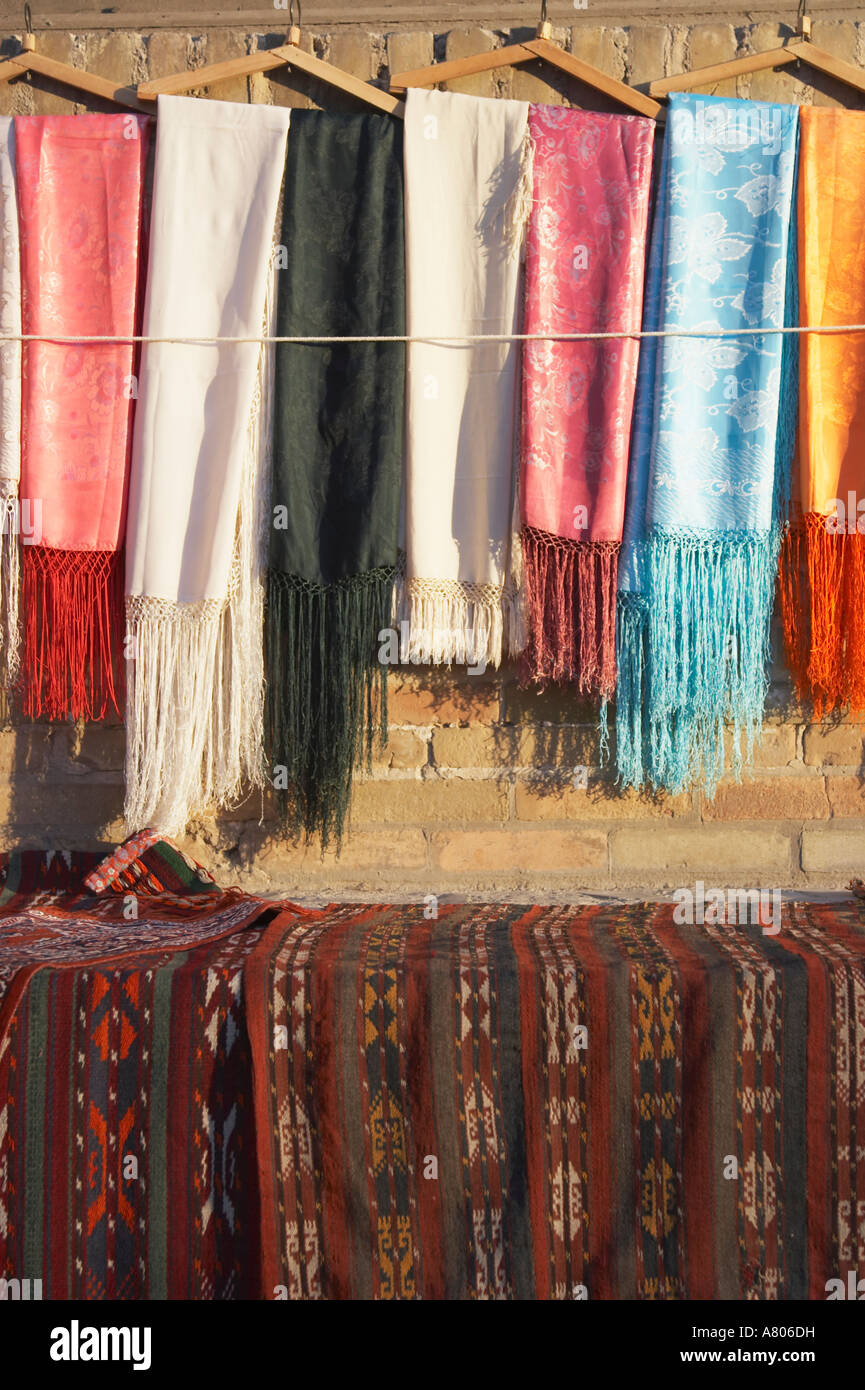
[
  {"x": 480, "y": 790},
  {"x": 487, "y": 789}
]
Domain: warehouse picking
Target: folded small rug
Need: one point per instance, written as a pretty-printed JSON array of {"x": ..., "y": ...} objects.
[
  {"x": 10, "y": 407},
  {"x": 199, "y": 486},
  {"x": 468, "y": 190},
  {"x": 338, "y": 449},
  {"x": 714, "y": 427},
  {"x": 823, "y": 556},
  {"x": 148, "y": 864},
  {"x": 585, "y": 250},
  {"x": 80, "y": 184}
]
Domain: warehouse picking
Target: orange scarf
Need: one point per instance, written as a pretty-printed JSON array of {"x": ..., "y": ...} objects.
[{"x": 822, "y": 572}]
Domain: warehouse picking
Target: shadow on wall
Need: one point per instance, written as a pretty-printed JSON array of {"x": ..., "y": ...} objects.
[
  {"x": 484, "y": 789},
  {"x": 62, "y": 785}
]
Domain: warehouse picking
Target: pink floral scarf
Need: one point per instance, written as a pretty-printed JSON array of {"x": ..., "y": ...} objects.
[
  {"x": 80, "y": 181},
  {"x": 584, "y": 273}
]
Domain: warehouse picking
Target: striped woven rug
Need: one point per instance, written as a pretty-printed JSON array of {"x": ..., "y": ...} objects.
[
  {"x": 127, "y": 1135},
  {"x": 246, "y": 1100},
  {"x": 560, "y": 1103}
]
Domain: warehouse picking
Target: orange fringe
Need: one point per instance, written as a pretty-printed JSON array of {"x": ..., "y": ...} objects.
[{"x": 822, "y": 592}]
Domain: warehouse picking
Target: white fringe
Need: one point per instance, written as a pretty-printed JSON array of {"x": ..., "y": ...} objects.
[
  {"x": 171, "y": 713},
  {"x": 195, "y": 690},
  {"x": 519, "y": 206},
  {"x": 516, "y": 625},
  {"x": 10, "y": 587},
  {"x": 450, "y": 621},
  {"x": 508, "y": 221}
]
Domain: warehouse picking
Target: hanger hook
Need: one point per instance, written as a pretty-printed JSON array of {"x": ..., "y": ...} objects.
[
  {"x": 28, "y": 18},
  {"x": 803, "y": 22},
  {"x": 291, "y": 14}
]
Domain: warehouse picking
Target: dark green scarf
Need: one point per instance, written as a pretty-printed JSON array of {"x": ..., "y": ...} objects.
[{"x": 337, "y": 459}]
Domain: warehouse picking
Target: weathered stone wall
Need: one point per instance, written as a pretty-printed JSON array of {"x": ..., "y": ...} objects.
[
  {"x": 476, "y": 791},
  {"x": 636, "y": 53}
]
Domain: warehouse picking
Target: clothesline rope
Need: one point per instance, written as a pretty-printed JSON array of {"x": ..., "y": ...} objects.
[{"x": 452, "y": 338}]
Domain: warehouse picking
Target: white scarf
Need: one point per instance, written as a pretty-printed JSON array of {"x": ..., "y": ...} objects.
[
  {"x": 199, "y": 486},
  {"x": 10, "y": 404},
  {"x": 468, "y": 191}
]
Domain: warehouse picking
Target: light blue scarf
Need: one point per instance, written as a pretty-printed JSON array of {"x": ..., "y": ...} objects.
[{"x": 712, "y": 442}]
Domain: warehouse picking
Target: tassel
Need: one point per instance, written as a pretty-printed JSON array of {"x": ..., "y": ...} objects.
[
  {"x": 452, "y": 620},
  {"x": 570, "y": 594},
  {"x": 509, "y": 220},
  {"x": 822, "y": 593},
  {"x": 10, "y": 649},
  {"x": 327, "y": 691},
  {"x": 632, "y": 613},
  {"x": 695, "y": 658},
  {"x": 192, "y": 743},
  {"x": 72, "y": 607}
]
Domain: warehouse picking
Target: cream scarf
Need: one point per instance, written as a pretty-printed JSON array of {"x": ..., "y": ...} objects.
[
  {"x": 199, "y": 485},
  {"x": 10, "y": 407},
  {"x": 468, "y": 190}
]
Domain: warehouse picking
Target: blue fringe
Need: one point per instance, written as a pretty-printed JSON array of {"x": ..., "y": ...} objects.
[
  {"x": 695, "y": 658},
  {"x": 632, "y": 625}
]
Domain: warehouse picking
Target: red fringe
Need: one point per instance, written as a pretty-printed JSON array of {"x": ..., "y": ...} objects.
[
  {"x": 570, "y": 612},
  {"x": 822, "y": 590},
  {"x": 72, "y": 614}
]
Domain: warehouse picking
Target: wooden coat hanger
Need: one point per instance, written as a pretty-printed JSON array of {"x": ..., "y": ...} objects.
[
  {"x": 289, "y": 54},
  {"x": 799, "y": 48},
  {"x": 30, "y": 60},
  {"x": 539, "y": 47}
]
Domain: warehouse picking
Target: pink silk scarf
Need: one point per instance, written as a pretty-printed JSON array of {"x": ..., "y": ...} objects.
[
  {"x": 585, "y": 255},
  {"x": 80, "y": 184}
]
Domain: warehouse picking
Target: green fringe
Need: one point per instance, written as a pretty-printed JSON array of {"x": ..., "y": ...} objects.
[{"x": 326, "y": 692}]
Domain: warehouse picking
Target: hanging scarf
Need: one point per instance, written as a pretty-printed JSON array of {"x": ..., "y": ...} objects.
[
  {"x": 338, "y": 446},
  {"x": 468, "y": 186},
  {"x": 10, "y": 407},
  {"x": 823, "y": 556},
  {"x": 713, "y": 433},
  {"x": 80, "y": 182},
  {"x": 199, "y": 487},
  {"x": 585, "y": 250}
]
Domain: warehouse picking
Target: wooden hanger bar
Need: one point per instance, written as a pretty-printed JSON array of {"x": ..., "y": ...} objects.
[
  {"x": 513, "y": 56},
  {"x": 828, "y": 63},
  {"x": 299, "y": 58},
  {"x": 431, "y": 75},
  {"x": 289, "y": 54},
  {"x": 205, "y": 77},
  {"x": 29, "y": 60},
  {"x": 798, "y": 49},
  {"x": 592, "y": 76},
  {"x": 717, "y": 72}
]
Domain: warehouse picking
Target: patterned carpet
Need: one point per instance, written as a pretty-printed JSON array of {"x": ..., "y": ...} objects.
[
  {"x": 126, "y": 1127},
  {"x": 230, "y": 1098}
]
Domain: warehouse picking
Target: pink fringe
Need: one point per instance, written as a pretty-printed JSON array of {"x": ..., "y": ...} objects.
[{"x": 570, "y": 589}]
